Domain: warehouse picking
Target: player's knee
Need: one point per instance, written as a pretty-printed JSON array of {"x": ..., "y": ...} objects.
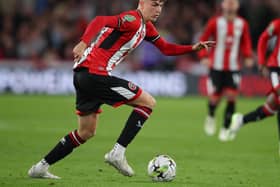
[
  {"x": 152, "y": 102},
  {"x": 91, "y": 133},
  {"x": 215, "y": 98},
  {"x": 231, "y": 97},
  {"x": 272, "y": 100},
  {"x": 87, "y": 134}
]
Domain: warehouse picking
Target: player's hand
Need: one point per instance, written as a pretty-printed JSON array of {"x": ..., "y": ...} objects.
[
  {"x": 249, "y": 62},
  {"x": 78, "y": 50},
  {"x": 264, "y": 70},
  {"x": 203, "y": 45},
  {"x": 205, "y": 61}
]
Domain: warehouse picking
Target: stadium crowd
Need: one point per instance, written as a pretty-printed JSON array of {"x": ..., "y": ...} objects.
[{"x": 47, "y": 30}]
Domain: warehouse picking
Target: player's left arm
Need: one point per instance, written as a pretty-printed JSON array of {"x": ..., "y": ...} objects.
[
  {"x": 272, "y": 30},
  {"x": 172, "y": 49},
  {"x": 246, "y": 46}
]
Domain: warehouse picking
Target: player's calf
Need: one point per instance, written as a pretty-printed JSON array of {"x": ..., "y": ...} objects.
[
  {"x": 64, "y": 147},
  {"x": 260, "y": 113},
  {"x": 116, "y": 157},
  {"x": 229, "y": 110},
  {"x": 239, "y": 120},
  {"x": 87, "y": 126},
  {"x": 141, "y": 112},
  {"x": 210, "y": 122}
]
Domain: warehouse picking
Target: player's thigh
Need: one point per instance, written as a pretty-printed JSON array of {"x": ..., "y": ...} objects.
[
  {"x": 145, "y": 99},
  {"x": 231, "y": 84},
  {"x": 86, "y": 88},
  {"x": 214, "y": 84}
]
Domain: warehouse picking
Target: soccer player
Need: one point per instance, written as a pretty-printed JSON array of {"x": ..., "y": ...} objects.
[
  {"x": 116, "y": 36},
  {"x": 271, "y": 64},
  {"x": 232, "y": 37}
]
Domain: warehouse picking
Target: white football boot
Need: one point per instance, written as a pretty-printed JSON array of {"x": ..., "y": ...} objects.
[
  {"x": 119, "y": 162},
  {"x": 236, "y": 124},
  {"x": 41, "y": 171},
  {"x": 224, "y": 135},
  {"x": 210, "y": 126}
]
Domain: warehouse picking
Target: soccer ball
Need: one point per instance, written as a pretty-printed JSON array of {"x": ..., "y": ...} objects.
[{"x": 162, "y": 168}]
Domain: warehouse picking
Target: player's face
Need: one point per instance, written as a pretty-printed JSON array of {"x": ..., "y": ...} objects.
[
  {"x": 151, "y": 9},
  {"x": 230, "y": 6}
]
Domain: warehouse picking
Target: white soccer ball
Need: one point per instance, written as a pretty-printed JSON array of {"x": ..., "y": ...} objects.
[{"x": 162, "y": 168}]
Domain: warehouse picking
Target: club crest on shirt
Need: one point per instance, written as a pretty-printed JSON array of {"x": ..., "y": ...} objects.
[
  {"x": 128, "y": 18},
  {"x": 132, "y": 86}
]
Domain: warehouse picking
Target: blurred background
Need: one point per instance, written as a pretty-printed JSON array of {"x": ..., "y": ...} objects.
[{"x": 37, "y": 37}]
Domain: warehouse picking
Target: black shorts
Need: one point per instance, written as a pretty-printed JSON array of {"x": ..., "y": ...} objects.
[
  {"x": 94, "y": 90},
  {"x": 220, "y": 80}
]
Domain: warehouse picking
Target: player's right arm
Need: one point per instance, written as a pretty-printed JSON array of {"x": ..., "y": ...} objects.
[
  {"x": 97, "y": 24},
  {"x": 93, "y": 28},
  {"x": 117, "y": 22}
]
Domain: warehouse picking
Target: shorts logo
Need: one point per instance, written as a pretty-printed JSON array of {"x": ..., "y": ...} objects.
[{"x": 132, "y": 86}]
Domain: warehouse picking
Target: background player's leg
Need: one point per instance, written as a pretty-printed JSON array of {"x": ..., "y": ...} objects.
[
  {"x": 276, "y": 87},
  {"x": 213, "y": 102},
  {"x": 87, "y": 128},
  {"x": 143, "y": 106},
  {"x": 266, "y": 110},
  {"x": 278, "y": 125},
  {"x": 214, "y": 97},
  {"x": 210, "y": 122},
  {"x": 231, "y": 85},
  {"x": 229, "y": 111},
  {"x": 231, "y": 96}
]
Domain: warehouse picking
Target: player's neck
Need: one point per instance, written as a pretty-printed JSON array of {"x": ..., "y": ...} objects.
[
  {"x": 142, "y": 15},
  {"x": 230, "y": 17}
]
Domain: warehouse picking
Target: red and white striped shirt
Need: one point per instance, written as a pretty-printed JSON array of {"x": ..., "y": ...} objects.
[
  {"x": 119, "y": 35},
  {"x": 232, "y": 39},
  {"x": 273, "y": 30}
]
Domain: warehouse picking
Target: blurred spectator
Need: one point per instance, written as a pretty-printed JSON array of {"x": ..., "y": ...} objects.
[{"x": 48, "y": 29}]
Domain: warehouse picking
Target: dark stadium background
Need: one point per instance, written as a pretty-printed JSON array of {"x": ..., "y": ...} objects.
[
  {"x": 38, "y": 36},
  {"x": 55, "y": 26},
  {"x": 37, "y": 103}
]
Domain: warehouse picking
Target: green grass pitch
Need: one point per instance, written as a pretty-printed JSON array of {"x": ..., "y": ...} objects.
[{"x": 31, "y": 125}]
